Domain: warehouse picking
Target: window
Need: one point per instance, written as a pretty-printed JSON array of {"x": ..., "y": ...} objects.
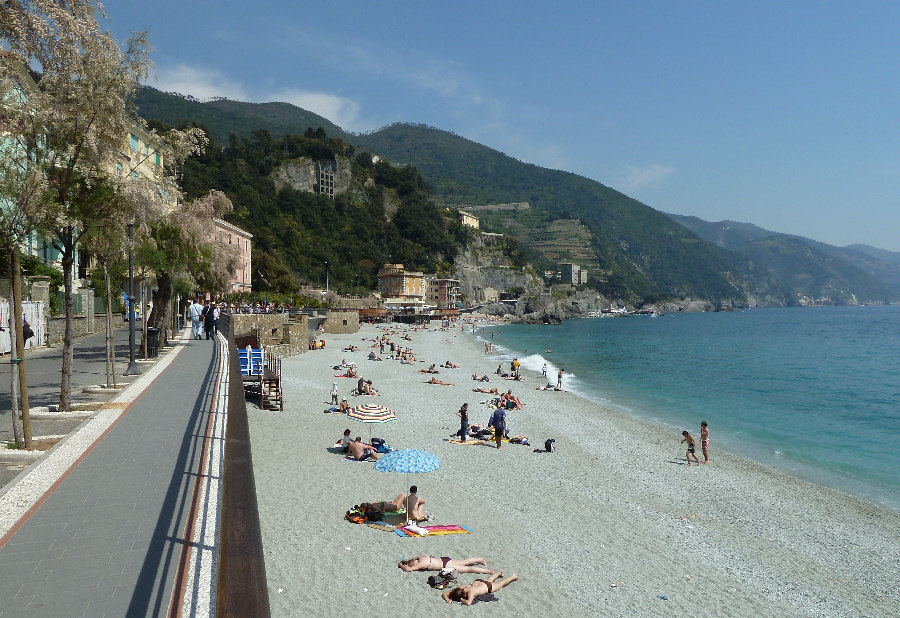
[
  {"x": 134, "y": 175},
  {"x": 134, "y": 142},
  {"x": 158, "y": 159},
  {"x": 119, "y": 169}
]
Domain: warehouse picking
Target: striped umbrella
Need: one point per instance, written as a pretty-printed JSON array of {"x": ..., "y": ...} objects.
[{"x": 371, "y": 413}]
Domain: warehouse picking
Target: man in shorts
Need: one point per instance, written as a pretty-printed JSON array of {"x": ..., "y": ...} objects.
[{"x": 691, "y": 443}]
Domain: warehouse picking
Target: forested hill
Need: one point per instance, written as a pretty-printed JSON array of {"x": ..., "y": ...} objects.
[
  {"x": 223, "y": 117},
  {"x": 641, "y": 252}
]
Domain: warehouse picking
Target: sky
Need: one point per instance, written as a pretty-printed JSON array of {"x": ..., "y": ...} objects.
[{"x": 781, "y": 114}]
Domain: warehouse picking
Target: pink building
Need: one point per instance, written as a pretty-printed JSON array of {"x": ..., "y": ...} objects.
[{"x": 229, "y": 234}]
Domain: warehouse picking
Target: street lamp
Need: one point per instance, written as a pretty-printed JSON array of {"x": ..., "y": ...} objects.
[
  {"x": 326, "y": 277},
  {"x": 132, "y": 366}
]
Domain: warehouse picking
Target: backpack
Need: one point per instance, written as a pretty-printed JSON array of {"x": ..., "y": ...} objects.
[{"x": 549, "y": 446}]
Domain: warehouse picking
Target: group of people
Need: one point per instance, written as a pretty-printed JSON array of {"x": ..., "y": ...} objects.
[
  {"x": 692, "y": 444},
  {"x": 449, "y": 570},
  {"x": 205, "y": 316}
]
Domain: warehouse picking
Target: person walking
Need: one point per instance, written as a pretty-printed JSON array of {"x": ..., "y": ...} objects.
[
  {"x": 463, "y": 415},
  {"x": 208, "y": 321},
  {"x": 195, "y": 311}
]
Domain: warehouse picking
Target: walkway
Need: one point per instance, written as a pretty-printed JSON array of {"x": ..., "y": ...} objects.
[{"x": 107, "y": 539}]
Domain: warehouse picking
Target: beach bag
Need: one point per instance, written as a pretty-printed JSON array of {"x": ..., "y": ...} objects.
[
  {"x": 549, "y": 445},
  {"x": 355, "y": 515},
  {"x": 380, "y": 445}
]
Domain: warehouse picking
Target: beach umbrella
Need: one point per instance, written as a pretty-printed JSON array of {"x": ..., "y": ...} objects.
[
  {"x": 408, "y": 461},
  {"x": 371, "y": 413}
]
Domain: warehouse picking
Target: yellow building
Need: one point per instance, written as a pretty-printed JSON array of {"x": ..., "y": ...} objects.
[
  {"x": 468, "y": 219},
  {"x": 396, "y": 282}
]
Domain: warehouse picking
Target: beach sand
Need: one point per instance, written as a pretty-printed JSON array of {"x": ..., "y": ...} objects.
[{"x": 608, "y": 525}]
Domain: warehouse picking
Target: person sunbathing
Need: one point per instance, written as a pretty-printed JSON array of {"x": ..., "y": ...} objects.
[
  {"x": 359, "y": 450},
  {"x": 368, "y": 389},
  {"x": 430, "y": 563},
  {"x": 449, "y": 365},
  {"x": 395, "y": 505},
  {"x": 373, "y": 356},
  {"x": 480, "y": 587},
  {"x": 436, "y": 381},
  {"x": 429, "y": 370},
  {"x": 481, "y": 389},
  {"x": 344, "y": 408},
  {"x": 351, "y": 373}
]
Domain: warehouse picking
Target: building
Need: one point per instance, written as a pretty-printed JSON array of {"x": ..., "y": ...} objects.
[
  {"x": 572, "y": 273},
  {"x": 396, "y": 282},
  {"x": 468, "y": 219},
  {"x": 442, "y": 292},
  {"x": 229, "y": 234}
]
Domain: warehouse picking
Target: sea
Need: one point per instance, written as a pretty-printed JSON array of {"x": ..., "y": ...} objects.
[{"x": 814, "y": 391}]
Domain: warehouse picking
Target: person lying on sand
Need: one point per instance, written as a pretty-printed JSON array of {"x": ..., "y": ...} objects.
[
  {"x": 481, "y": 389},
  {"x": 430, "y": 563},
  {"x": 359, "y": 450},
  {"x": 449, "y": 365},
  {"x": 429, "y": 370},
  {"x": 373, "y": 356},
  {"x": 480, "y": 587},
  {"x": 436, "y": 381},
  {"x": 386, "y": 507}
]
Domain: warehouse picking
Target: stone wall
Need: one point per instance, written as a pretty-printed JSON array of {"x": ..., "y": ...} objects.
[
  {"x": 342, "y": 321},
  {"x": 303, "y": 174},
  {"x": 280, "y": 335},
  {"x": 56, "y": 328}
]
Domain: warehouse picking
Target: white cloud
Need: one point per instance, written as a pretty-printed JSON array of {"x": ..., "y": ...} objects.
[
  {"x": 633, "y": 177},
  {"x": 199, "y": 83}
]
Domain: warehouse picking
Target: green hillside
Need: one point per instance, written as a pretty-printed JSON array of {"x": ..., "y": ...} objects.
[
  {"x": 871, "y": 274},
  {"x": 224, "y": 117},
  {"x": 647, "y": 254}
]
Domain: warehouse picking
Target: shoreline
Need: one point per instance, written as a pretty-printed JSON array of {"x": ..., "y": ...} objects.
[
  {"x": 827, "y": 474},
  {"x": 613, "y": 520}
]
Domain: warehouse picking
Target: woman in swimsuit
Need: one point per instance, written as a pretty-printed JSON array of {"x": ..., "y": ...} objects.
[
  {"x": 480, "y": 587},
  {"x": 430, "y": 563}
]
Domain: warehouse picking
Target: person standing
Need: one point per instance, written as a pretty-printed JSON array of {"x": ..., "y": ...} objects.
[
  {"x": 514, "y": 368},
  {"x": 498, "y": 422},
  {"x": 195, "y": 311},
  {"x": 463, "y": 415},
  {"x": 559, "y": 379},
  {"x": 704, "y": 441},
  {"x": 334, "y": 393},
  {"x": 544, "y": 370},
  {"x": 215, "y": 310}
]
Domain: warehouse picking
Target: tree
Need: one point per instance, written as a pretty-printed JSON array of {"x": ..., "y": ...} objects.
[{"x": 74, "y": 125}]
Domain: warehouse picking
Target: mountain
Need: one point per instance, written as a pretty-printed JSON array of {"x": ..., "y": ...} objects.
[
  {"x": 868, "y": 273},
  {"x": 641, "y": 253},
  {"x": 223, "y": 117},
  {"x": 632, "y": 252}
]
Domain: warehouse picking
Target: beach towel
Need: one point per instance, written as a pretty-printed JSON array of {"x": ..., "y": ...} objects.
[
  {"x": 467, "y": 442},
  {"x": 434, "y": 530}
]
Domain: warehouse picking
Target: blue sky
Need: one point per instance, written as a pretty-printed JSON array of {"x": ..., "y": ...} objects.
[{"x": 781, "y": 114}]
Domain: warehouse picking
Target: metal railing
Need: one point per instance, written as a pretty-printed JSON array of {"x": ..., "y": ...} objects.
[{"x": 241, "y": 589}]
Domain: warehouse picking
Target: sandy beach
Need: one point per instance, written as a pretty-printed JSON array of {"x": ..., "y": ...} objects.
[{"x": 613, "y": 523}]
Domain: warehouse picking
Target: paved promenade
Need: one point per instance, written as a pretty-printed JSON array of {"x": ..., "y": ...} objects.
[{"x": 108, "y": 537}]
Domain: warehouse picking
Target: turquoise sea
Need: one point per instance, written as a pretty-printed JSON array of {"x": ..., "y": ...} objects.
[{"x": 814, "y": 391}]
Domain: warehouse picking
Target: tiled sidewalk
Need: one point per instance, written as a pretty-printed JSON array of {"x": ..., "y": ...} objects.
[{"x": 107, "y": 540}]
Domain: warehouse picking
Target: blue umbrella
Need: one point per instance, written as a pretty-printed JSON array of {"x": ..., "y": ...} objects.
[{"x": 408, "y": 461}]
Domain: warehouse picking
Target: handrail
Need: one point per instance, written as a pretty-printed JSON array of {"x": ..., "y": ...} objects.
[{"x": 241, "y": 589}]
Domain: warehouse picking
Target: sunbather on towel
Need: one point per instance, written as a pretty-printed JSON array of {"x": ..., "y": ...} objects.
[
  {"x": 480, "y": 587},
  {"x": 359, "y": 450},
  {"x": 386, "y": 507},
  {"x": 430, "y": 563}
]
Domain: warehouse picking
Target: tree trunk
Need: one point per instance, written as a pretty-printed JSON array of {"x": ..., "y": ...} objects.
[
  {"x": 161, "y": 306},
  {"x": 16, "y": 268},
  {"x": 13, "y": 374},
  {"x": 65, "y": 383}
]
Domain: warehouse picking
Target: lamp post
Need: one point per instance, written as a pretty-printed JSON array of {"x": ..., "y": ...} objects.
[
  {"x": 132, "y": 366},
  {"x": 326, "y": 277}
]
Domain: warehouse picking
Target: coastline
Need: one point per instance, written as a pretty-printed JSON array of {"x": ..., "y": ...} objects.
[{"x": 614, "y": 506}]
